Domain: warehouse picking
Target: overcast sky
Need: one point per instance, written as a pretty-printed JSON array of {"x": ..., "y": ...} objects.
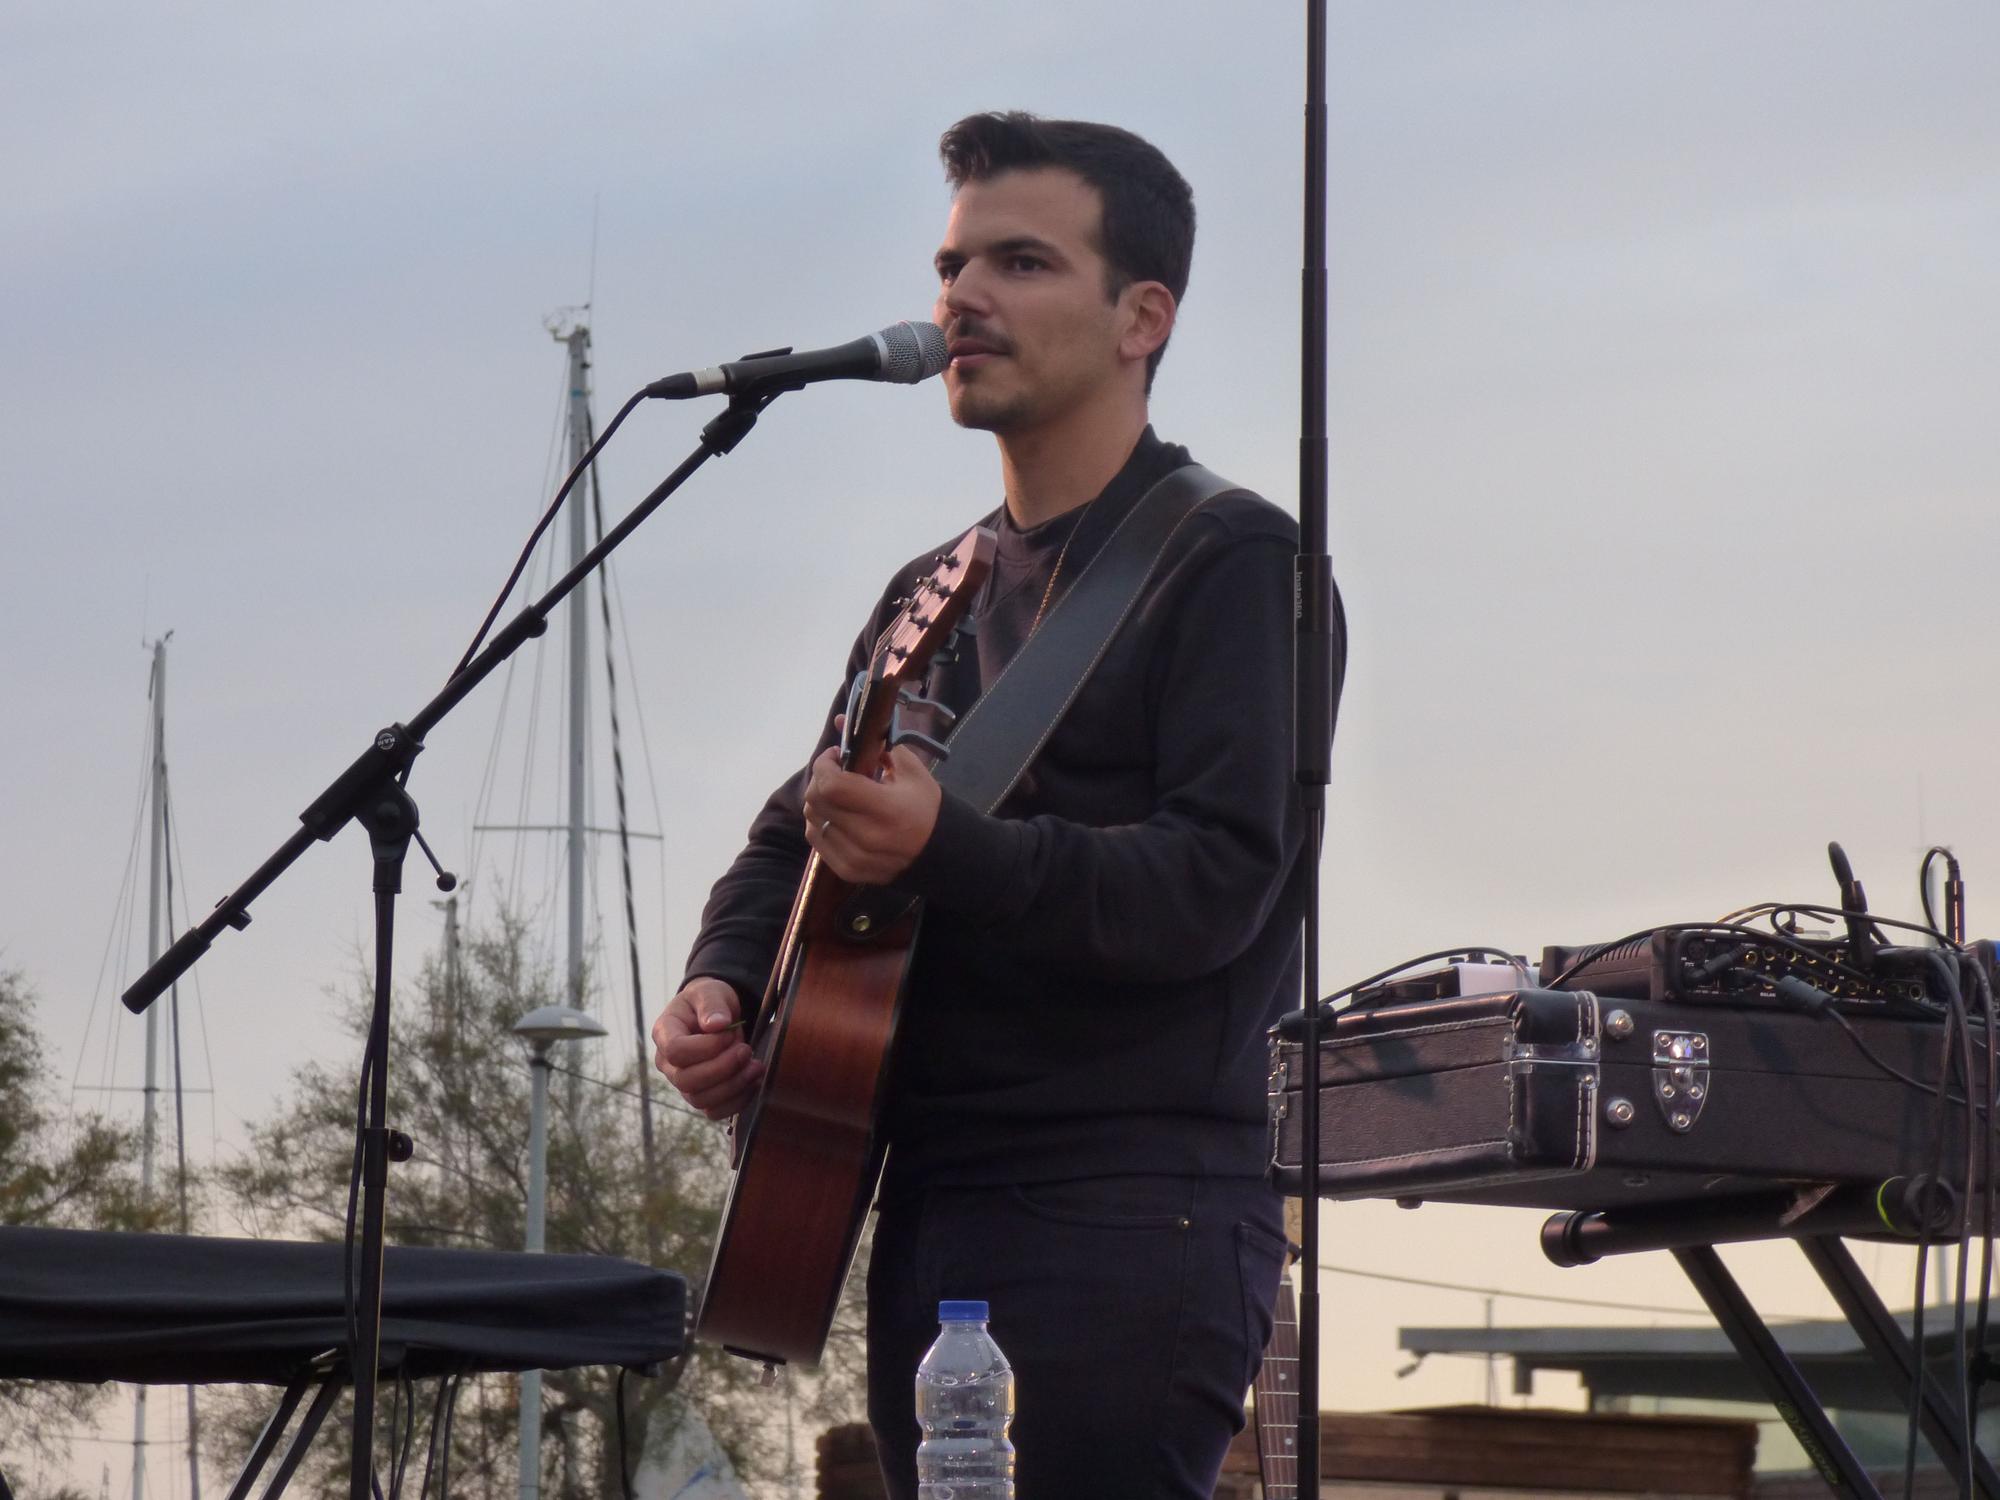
[{"x": 1663, "y": 449}]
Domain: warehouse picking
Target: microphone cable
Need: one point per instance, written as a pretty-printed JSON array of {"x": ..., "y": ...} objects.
[
  {"x": 1954, "y": 1056},
  {"x": 1327, "y": 1008},
  {"x": 534, "y": 537},
  {"x": 1948, "y": 976},
  {"x": 1918, "y": 1372},
  {"x": 350, "y": 1279},
  {"x": 908, "y": 352},
  {"x": 1954, "y": 893},
  {"x": 1981, "y": 1364}
]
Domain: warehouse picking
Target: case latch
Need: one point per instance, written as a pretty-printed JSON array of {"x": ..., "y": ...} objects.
[
  {"x": 1681, "y": 1076},
  {"x": 1280, "y": 1103}
]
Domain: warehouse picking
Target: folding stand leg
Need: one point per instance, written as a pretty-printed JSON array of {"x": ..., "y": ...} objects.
[
  {"x": 1894, "y": 1354},
  {"x": 1775, "y": 1371},
  {"x": 267, "y": 1440},
  {"x": 329, "y": 1392}
]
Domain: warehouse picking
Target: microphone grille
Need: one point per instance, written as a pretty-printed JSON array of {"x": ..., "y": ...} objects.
[{"x": 912, "y": 352}]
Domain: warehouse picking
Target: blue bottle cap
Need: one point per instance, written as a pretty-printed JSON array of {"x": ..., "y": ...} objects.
[{"x": 961, "y": 1312}]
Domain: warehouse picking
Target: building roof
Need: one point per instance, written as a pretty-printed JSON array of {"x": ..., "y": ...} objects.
[{"x": 1698, "y": 1363}]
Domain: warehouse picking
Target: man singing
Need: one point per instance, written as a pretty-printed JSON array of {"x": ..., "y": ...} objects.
[{"x": 1076, "y": 1107}]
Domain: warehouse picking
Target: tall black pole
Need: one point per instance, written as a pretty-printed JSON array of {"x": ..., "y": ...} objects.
[{"x": 1319, "y": 663}]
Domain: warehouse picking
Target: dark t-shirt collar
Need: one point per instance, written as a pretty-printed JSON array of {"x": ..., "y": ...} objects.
[
  {"x": 1150, "y": 461},
  {"x": 1028, "y": 555}
]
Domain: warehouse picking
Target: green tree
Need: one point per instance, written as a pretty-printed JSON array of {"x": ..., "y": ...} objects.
[
  {"x": 57, "y": 1170},
  {"x": 459, "y": 1086}
]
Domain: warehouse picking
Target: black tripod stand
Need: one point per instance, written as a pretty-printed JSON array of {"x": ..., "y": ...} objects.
[
  {"x": 373, "y": 792},
  {"x": 1692, "y": 1231}
]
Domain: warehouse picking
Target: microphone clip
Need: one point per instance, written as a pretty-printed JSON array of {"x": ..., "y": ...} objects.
[{"x": 730, "y": 426}]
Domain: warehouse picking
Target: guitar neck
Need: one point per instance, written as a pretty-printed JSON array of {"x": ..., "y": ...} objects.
[{"x": 1275, "y": 1404}]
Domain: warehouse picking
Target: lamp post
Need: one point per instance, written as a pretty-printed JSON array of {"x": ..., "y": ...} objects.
[{"x": 541, "y": 1029}]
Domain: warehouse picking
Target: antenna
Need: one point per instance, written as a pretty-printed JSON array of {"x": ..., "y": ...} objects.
[{"x": 590, "y": 294}]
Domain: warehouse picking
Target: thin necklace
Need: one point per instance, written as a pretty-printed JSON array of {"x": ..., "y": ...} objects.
[{"x": 1056, "y": 572}]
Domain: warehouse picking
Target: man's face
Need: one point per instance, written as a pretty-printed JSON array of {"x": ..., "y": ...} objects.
[{"x": 1022, "y": 300}]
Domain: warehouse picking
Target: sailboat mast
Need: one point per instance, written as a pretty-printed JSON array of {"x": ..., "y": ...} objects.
[
  {"x": 149, "y": 1131},
  {"x": 578, "y": 341}
]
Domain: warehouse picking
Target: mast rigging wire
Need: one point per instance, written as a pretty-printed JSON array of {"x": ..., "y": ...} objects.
[
  {"x": 624, "y": 831},
  {"x": 119, "y": 937}
]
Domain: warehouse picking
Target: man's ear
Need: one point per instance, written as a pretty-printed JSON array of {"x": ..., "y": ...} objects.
[{"x": 1149, "y": 318}]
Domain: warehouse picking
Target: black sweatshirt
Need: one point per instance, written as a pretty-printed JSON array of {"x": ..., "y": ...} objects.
[{"x": 1099, "y": 960}]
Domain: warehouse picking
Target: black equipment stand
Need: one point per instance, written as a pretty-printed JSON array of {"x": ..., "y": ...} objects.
[
  {"x": 1319, "y": 665},
  {"x": 1692, "y": 1230},
  {"x": 372, "y": 791},
  {"x": 329, "y": 1375}
]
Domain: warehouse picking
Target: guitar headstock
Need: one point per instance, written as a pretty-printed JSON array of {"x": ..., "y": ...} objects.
[
  {"x": 903, "y": 651},
  {"x": 934, "y": 608}
]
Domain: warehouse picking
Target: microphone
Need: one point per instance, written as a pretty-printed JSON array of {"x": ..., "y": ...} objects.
[{"x": 903, "y": 352}]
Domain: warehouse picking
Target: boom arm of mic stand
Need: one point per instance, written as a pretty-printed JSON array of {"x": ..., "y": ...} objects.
[{"x": 394, "y": 749}]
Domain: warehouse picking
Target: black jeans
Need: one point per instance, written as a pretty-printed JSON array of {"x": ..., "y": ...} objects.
[{"x": 1134, "y": 1311}]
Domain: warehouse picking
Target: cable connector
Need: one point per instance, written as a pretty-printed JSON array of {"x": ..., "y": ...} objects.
[
  {"x": 1796, "y": 993},
  {"x": 1720, "y": 964}
]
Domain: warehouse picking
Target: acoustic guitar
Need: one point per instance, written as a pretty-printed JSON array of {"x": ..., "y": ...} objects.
[
  {"x": 1275, "y": 1395},
  {"x": 807, "y": 1155}
]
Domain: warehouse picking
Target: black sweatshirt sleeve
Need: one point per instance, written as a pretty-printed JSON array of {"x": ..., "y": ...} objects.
[{"x": 1181, "y": 893}]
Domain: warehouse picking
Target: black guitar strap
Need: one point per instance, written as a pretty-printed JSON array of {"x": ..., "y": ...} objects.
[{"x": 997, "y": 738}]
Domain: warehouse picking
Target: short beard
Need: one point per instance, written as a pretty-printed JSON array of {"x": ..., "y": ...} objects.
[{"x": 977, "y": 413}]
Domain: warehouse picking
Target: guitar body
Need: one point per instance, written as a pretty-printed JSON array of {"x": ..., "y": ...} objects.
[
  {"x": 809, "y": 1156},
  {"x": 808, "y": 1152}
]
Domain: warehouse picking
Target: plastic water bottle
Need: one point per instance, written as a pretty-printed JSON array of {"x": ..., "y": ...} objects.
[{"x": 965, "y": 1399}]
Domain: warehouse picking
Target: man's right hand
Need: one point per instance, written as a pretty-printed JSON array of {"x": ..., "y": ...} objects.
[{"x": 699, "y": 1047}]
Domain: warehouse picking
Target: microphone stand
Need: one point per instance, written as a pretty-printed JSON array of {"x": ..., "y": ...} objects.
[
  {"x": 1319, "y": 667},
  {"x": 372, "y": 791}
]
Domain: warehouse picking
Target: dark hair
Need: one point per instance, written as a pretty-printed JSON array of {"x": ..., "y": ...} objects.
[{"x": 1147, "y": 229}]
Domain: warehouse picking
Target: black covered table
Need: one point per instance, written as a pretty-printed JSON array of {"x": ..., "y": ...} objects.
[{"x": 177, "y": 1309}]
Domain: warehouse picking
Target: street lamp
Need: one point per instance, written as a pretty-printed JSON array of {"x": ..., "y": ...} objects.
[{"x": 541, "y": 1029}]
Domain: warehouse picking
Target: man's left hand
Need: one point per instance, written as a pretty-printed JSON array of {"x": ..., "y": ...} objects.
[{"x": 869, "y": 832}]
